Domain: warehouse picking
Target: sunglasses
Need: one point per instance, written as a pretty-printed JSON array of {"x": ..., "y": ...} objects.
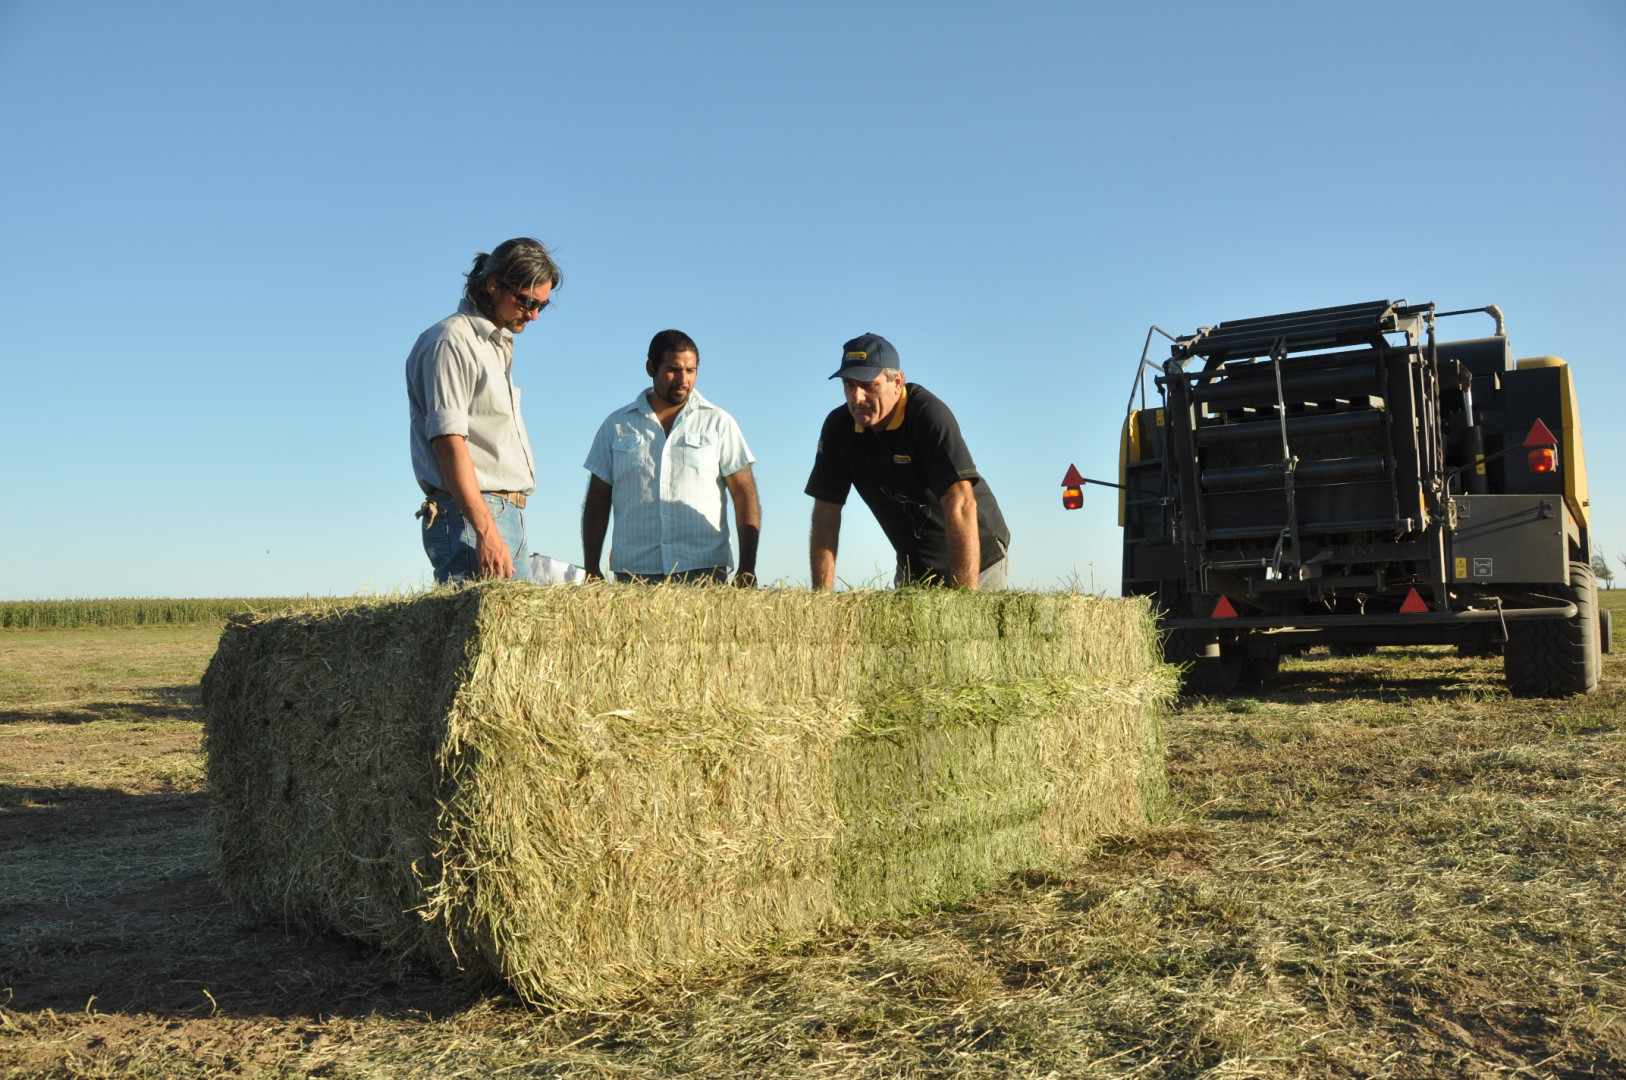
[{"x": 527, "y": 304}]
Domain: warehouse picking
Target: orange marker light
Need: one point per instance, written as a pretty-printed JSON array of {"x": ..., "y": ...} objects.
[
  {"x": 1072, "y": 489},
  {"x": 1543, "y": 448}
]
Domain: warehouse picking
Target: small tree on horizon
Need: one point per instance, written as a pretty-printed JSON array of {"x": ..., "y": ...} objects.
[{"x": 1602, "y": 570}]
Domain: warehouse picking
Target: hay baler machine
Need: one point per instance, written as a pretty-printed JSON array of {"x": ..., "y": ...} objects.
[{"x": 1341, "y": 477}]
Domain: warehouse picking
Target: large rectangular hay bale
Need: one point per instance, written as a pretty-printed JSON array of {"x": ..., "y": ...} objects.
[{"x": 579, "y": 789}]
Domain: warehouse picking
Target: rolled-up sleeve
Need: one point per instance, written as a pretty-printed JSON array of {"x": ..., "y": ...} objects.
[
  {"x": 600, "y": 460},
  {"x": 450, "y": 378}
]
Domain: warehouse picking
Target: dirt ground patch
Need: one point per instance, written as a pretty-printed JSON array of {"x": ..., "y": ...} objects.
[{"x": 1382, "y": 867}]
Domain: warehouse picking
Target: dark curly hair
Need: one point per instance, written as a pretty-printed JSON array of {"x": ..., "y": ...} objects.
[{"x": 670, "y": 341}]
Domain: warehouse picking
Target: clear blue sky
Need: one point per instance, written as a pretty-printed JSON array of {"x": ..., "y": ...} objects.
[{"x": 222, "y": 226}]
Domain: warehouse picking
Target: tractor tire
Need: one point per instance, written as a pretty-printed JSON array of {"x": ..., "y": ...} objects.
[
  {"x": 1558, "y": 657},
  {"x": 1207, "y": 675},
  {"x": 1606, "y": 630}
]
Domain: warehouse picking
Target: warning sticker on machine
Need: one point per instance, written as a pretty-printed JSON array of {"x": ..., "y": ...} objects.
[
  {"x": 1460, "y": 570},
  {"x": 1482, "y": 568}
]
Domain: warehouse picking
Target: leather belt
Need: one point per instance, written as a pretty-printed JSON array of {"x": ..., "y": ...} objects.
[{"x": 515, "y": 497}]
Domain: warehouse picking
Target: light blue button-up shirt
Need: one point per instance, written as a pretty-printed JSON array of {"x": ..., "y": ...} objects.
[{"x": 667, "y": 492}]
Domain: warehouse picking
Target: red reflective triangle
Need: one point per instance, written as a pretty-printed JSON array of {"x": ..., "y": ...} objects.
[
  {"x": 1539, "y": 435},
  {"x": 1072, "y": 479},
  {"x": 1414, "y": 604},
  {"x": 1223, "y": 609}
]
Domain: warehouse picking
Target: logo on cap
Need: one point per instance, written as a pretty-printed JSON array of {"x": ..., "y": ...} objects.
[{"x": 855, "y": 355}]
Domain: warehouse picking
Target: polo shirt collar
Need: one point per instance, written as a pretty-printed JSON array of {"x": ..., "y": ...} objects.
[{"x": 897, "y": 414}]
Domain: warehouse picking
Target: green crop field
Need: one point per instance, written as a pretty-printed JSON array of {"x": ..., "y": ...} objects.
[
  {"x": 133, "y": 611},
  {"x": 1383, "y": 867}
]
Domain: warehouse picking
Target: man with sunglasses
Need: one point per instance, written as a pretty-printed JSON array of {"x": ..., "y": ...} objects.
[
  {"x": 470, "y": 452},
  {"x": 901, "y": 448}
]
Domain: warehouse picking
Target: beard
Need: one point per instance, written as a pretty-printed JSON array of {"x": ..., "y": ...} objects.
[{"x": 676, "y": 395}]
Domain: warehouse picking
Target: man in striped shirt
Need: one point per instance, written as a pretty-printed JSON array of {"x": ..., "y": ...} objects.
[
  {"x": 469, "y": 448},
  {"x": 666, "y": 466}
]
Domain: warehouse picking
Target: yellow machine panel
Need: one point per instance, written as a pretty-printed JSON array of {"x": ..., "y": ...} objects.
[
  {"x": 1574, "y": 464},
  {"x": 1128, "y": 450}
]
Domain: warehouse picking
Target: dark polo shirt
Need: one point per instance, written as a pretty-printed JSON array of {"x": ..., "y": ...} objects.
[{"x": 901, "y": 472}]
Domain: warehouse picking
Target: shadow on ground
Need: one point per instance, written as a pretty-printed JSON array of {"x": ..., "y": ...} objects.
[
  {"x": 1392, "y": 676},
  {"x": 139, "y": 926},
  {"x": 179, "y": 702}
]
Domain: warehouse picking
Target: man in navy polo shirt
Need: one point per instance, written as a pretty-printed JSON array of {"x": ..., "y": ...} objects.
[{"x": 901, "y": 448}]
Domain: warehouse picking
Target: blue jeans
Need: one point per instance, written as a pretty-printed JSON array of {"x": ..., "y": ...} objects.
[{"x": 452, "y": 545}]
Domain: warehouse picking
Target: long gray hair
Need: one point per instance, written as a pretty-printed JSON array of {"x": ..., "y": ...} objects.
[{"x": 520, "y": 264}]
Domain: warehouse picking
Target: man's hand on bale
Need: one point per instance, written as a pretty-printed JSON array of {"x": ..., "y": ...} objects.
[{"x": 493, "y": 555}]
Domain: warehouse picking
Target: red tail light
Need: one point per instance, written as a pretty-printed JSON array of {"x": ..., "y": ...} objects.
[
  {"x": 1072, "y": 489},
  {"x": 1543, "y": 448}
]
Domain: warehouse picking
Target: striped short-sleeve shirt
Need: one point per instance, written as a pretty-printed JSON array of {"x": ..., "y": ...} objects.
[
  {"x": 667, "y": 492},
  {"x": 460, "y": 381}
]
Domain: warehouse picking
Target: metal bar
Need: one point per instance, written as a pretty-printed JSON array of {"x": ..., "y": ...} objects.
[
  {"x": 1290, "y": 531},
  {"x": 1338, "y": 423},
  {"x": 1243, "y": 366},
  {"x": 1354, "y": 380},
  {"x": 1140, "y": 372},
  {"x": 1422, "y": 618},
  {"x": 1438, "y": 487},
  {"x": 1316, "y": 328},
  {"x": 1492, "y": 310},
  {"x": 1180, "y": 461},
  {"x": 1493, "y": 457},
  {"x": 1324, "y": 471},
  {"x": 1400, "y": 525},
  {"x": 1352, "y": 581}
]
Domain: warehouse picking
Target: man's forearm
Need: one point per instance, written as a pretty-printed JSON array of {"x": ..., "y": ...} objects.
[
  {"x": 825, "y": 535},
  {"x": 747, "y": 518},
  {"x": 960, "y": 525},
  {"x": 457, "y": 473},
  {"x": 749, "y": 536},
  {"x": 595, "y": 523}
]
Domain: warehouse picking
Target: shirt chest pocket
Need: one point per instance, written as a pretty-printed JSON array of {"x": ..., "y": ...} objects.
[
  {"x": 694, "y": 450},
  {"x": 629, "y": 453}
]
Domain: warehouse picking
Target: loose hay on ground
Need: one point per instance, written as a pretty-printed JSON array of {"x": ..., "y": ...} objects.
[{"x": 577, "y": 790}]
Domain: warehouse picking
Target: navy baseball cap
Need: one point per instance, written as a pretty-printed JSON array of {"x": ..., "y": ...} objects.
[{"x": 865, "y": 356}]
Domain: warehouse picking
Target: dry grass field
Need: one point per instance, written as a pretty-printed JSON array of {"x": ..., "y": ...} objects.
[{"x": 1383, "y": 867}]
